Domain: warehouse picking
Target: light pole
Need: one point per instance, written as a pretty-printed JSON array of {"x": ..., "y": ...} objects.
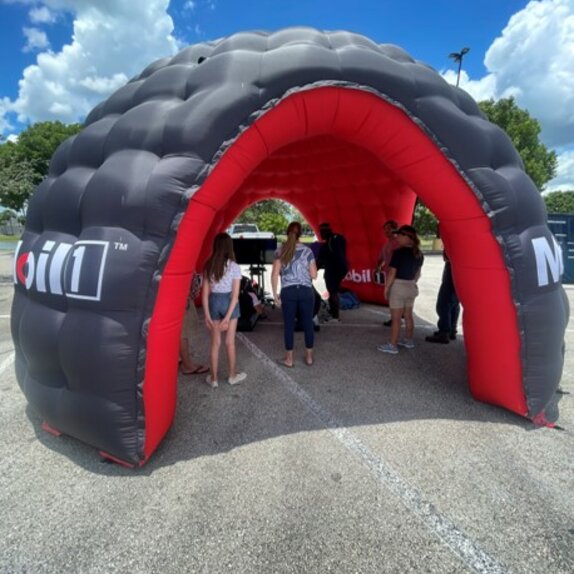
[{"x": 457, "y": 57}]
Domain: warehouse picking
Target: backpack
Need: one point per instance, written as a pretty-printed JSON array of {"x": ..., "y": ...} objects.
[{"x": 348, "y": 300}]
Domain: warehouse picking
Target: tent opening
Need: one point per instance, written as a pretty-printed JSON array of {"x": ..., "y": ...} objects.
[{"x": 351, "y": 158}]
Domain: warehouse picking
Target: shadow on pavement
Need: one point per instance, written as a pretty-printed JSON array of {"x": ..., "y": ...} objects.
[{"x": 351, "y": 381}]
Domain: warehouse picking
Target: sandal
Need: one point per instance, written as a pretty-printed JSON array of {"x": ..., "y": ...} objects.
[{"x": 199, "y": 370}]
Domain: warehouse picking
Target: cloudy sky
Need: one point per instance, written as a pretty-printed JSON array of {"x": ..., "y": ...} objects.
[{"x": 61, "y": 57}]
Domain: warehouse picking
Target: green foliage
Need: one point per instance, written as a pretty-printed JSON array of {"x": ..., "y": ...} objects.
[
  {"x": 559, "y": 202},
  {"x": 269, "y": 215},
  {"x": 424, "y": 221},
  {"x": 24, "y": 164},
  {"x": 17, "y": 178},
  {"x": 524, "y": 131},
  {"x": 6, "y": 215},
  {"x": 38, "y": 142},
  {"x": 274, "y": 222}
]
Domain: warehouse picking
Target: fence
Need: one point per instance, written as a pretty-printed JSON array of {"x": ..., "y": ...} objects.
[{"x": 562, "y": 226}]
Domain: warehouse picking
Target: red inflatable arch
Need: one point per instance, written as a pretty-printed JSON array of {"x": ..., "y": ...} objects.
[{"x": 348, "y": 157}]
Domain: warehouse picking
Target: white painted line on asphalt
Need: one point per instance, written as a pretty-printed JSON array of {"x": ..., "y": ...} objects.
[
  {"x": 4, "y": 316},
  {"x": 7, "y": 362},
  {"x": 460, "y": 544}
]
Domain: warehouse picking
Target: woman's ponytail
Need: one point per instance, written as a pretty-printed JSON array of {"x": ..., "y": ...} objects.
[{"x": 288, "y": 249}]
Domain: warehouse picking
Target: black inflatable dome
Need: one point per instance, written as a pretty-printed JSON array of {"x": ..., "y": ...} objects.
[{"x": 345, "y": 129}]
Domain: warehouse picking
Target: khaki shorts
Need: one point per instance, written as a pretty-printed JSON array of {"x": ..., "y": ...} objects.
[{"x": 403, "y": 294}]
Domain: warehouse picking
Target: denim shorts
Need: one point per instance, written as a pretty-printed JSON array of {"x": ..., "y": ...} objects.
[{"x": 219, "y": 304}]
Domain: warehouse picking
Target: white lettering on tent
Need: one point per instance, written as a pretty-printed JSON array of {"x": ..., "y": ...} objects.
[
  {"x": 42, "y": 264},
  {"x": 56, "y": 268},
  {"x": 361, "y": 276},
  {"x": 547, "y": 258},
  {"x": 74, "y": 270}
]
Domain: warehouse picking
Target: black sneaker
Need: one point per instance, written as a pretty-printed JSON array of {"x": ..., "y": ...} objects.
[
  {"x": 388, "y": 323},
  {"x": 452, "y": 336},
  {"x": 438, "y": 337}
]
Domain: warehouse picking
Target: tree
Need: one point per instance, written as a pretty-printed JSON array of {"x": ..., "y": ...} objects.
[
  {"x": 524, "y": 131},
  {"x": 269, "y": 215},
  {"x": 7, "y": 215},
  {"x": 38, "y": 142},
  {"x": 25, "y": 163},
  {"x": 559, "y": 202},
  {"x": 17, "y": 178},
  {"x": 424, "y": 221},
  {"x": 274, "y": 222}
]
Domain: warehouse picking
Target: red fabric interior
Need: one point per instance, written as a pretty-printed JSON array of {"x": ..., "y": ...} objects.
[{"x": 350, "y": 158}]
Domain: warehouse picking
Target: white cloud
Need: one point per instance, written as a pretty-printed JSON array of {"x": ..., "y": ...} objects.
[
  {"x": 112, "y": 41},
  {"x": 13, "y": 138},
  {"x": 535, "y": 56},
  {"x": 533, "y": 60},
  {"x": 189, "y": 5},
  {"x": 564, "y": 180},
  {"x": 482, "y": 89},
  {"x": 5, "y": 107},
  {"x": 36, "y": 39},
  {"x": 41, "y": 15}
]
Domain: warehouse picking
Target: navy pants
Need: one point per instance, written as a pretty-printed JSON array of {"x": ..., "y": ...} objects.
[
  {"x": 333, "y": 280},
  {"x": 447, "y": 305},
  {"x": 298, "y": 300}
]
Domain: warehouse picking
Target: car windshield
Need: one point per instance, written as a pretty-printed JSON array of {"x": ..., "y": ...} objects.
[{"x": 245, "y": 228}]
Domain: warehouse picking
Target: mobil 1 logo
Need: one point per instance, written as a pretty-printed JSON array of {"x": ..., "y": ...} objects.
[{"x": 75, "y": 270}]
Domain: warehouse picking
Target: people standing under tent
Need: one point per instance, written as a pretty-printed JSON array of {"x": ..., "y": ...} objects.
[
  {"x": 220, "y": 295},
  {"x": 385, "y": 255},
  {"x": 295, "y": 264},
  {"x": 333, "y": 259},
  {"x": 401, "y": 287},
  {"x": 189, "y": 327},
  {"x": 447, "y": 307}
]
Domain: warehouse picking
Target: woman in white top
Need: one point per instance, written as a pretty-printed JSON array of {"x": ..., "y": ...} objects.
[{"x": 220, "y": 295}]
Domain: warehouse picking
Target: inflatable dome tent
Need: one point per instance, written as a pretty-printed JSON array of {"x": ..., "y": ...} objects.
[{"x": 346, "y": 130}]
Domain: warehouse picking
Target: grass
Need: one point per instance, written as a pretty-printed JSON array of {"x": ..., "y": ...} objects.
[{"x": 13, "y": 238}]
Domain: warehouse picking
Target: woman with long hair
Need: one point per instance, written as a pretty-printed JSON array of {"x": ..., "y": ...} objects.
[
  {"x": 401, "y": 287},
  {"x": 220, "y": 295},
  {"x": 295, "y": 264}
]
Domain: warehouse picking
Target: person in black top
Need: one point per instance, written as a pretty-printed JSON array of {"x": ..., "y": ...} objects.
[
  {"x": 333, "y": 258},
  {"x": 447, "y": 307},
  {"x": 401, "y": 287}
]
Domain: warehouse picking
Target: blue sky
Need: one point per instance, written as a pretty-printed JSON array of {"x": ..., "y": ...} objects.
[{"x": 60, "y": 57}]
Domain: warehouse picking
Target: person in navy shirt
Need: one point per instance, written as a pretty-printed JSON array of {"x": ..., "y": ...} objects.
[{"x": 401, "y": 287}]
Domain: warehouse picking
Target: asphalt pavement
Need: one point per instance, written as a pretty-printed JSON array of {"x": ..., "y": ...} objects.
[{"x": 363, "y": 463}]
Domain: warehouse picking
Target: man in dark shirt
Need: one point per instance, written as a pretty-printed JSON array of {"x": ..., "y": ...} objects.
[
  {"x": 447, "y": 307},
  {"x": 333, "y": 258}
]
